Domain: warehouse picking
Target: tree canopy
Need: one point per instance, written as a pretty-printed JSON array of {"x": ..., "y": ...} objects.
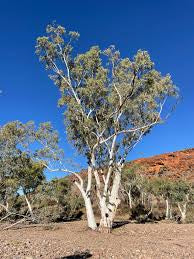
[{"x": 104, "y": 95}]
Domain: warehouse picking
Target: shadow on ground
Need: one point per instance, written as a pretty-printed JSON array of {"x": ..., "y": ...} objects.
[
  {"x": 118, "y": 224},
  {"x": 78, "y": 255}
]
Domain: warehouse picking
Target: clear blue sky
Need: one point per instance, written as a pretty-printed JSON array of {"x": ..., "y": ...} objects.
[{"x": 164, "y": 28}]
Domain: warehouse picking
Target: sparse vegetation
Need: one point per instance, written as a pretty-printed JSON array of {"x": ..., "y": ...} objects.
[{"x": 25, "y": 193}]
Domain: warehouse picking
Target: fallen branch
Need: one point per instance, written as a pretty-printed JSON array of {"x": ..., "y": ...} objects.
[
  {"x": 24, "y": 217},
  {"x": 7, "y": 216},
  {"x": 15, "y": 224}
]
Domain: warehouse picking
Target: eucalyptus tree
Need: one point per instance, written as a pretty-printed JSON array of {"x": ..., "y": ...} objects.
[
  {"x": 166, "y": 189},
  {"x": 9, "y": 138},
  {"x": 24, "y": 149},
  {"x": 130, "y": 180},
  {"x": 182, "y": 195},
  {"x": 28, "y": 175},
  {"x": 109, "y": 104},
  {"x": 8, "y": 190},
  {"x": 57, "y": 200}
]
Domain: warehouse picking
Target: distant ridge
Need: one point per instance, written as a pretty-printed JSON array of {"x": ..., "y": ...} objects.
[{"x": 174, "y": 165}]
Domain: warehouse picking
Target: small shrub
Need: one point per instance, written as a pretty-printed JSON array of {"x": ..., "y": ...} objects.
[{"x": 141, "y": 214}]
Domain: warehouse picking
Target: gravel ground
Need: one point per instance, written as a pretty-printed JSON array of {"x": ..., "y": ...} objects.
[{"x": 74, "y": 240}]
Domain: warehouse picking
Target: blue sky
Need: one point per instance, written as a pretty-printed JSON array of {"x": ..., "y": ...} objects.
[{"x": 164, "y": 28}]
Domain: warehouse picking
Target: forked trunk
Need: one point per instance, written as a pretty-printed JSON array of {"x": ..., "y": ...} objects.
[
  {"x": 87, "y": 199},
  {"x": 183, "y": 211},
  {"x": 106, "y": 223},
  {"x": 108, "y": 208},
  {"x": 29, "y": 206}
]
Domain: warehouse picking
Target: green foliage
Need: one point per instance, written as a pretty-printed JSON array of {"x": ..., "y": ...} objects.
[
  {"x": 24, "y": 152},
  {"x": 175, "y": 190},
  {"x": 103, "y": 94},
  {"x": 164, "y": 187},
  {"x": 179, "y": 193},
  {"x": 141, "y": 214},
  {"x": 55, "y": 201},
  {"x": 182, "y": 190},
  {"x": 131, "y": 180},
  {"x": 18, "y": 166},
  {"x": 29, "y": 174}
]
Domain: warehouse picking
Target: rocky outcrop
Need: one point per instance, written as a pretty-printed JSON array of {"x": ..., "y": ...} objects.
[
  {"x": 179, "y": 164},
  {"x": 174, "y": 165}
]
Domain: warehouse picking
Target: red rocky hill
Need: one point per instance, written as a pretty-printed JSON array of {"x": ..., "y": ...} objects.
[{"x": 174, "y": 165}]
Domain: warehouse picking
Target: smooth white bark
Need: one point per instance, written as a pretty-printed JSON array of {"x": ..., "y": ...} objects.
[
  {"x": 90, "y": 213},
  {"x": 29, "y": 206},
  {"x": 167, "y": 209},
  {"x": 183, "y": 211},
  {"x": 109, "y": 204},
  {"x": 130, "y": 199}
]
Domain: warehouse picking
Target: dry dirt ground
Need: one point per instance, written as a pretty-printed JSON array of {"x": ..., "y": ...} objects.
[{"x": 74, "y": 240}]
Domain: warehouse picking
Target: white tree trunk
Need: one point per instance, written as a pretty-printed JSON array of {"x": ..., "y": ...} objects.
[
  {"x": 183, "y": 211},
  {"x": 89, "y": 209},
  {"x": 90, "y": 213},
  {"x": 167, "y": 209},
  {"x": 29, "y": 206},
  {"x": 170, "y": 211},
  {"x": 109, "y": 207},
  {"x": 105, "y": 223},
  {"x": 130, "y": 199},
  {"x": 142, "y": 198},
  {"x": 86, "y": 194}
]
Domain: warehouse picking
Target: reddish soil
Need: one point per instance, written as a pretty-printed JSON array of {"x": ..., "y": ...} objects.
[{"x": 74, "y": 240}]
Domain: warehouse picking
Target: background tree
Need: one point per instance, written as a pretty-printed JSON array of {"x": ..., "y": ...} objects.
[
  {"x": 181, "y": 196},
  {"x": 8, "y": 193},
  {"x": 110, "y": 103},
  {"x": 55, "y": 200},
  {"x": 165, "y": 188},
  {"x": 28, "y": 175},
  {"x": 10, "y": 136},
  {"x": 22, "y": 150},
  {"x": 130, "y": 183}
]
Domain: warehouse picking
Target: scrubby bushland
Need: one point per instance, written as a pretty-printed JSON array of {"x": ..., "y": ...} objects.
[
  {"x": 56, "y": 201},
  {"x": 52, "y": 201},
  {"x": 24, "y": 151},
  {"x": 158, "y": 197}
]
